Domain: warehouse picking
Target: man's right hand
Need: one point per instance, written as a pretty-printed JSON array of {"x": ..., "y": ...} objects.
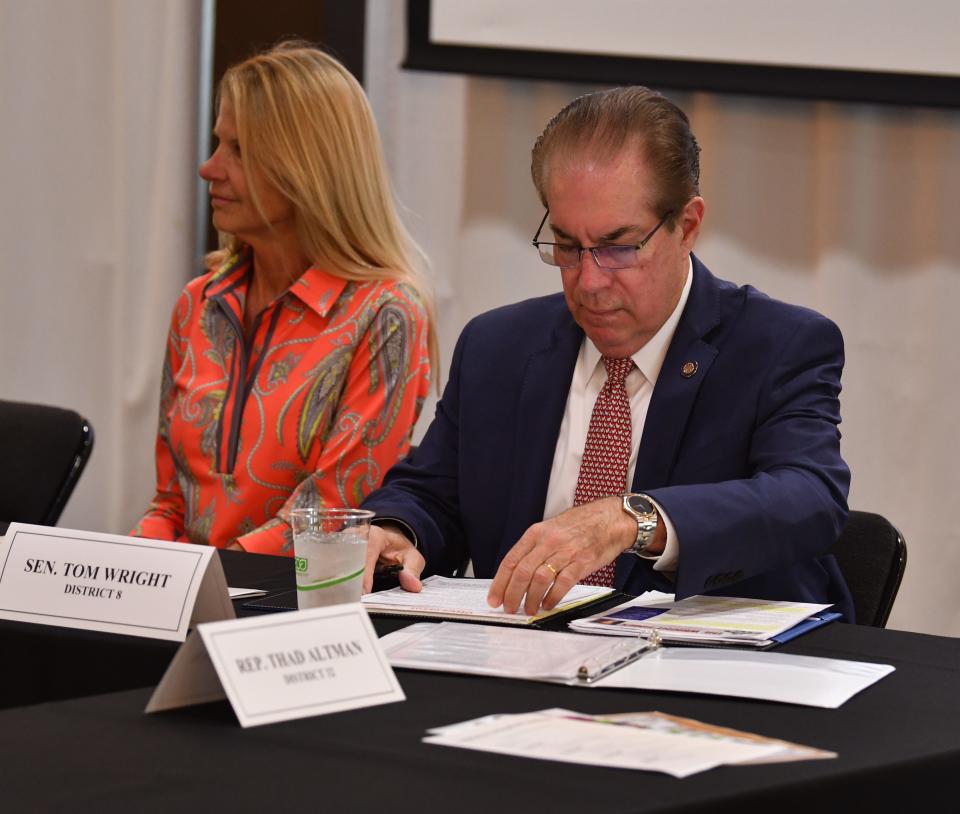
[{"x": 388, "y": 546}]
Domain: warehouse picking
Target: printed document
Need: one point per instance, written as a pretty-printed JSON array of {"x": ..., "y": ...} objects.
[
  {"x": 651, "y": 741},
  {"x": 452, "y": 598},
  {"x": 712, "y": 620}
]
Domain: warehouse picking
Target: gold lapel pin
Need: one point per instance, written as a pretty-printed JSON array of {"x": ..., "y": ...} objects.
[{"x": 689, "y": 369}]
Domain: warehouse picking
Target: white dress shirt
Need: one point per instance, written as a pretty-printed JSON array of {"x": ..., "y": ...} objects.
[{"x": 588, "y": 379}]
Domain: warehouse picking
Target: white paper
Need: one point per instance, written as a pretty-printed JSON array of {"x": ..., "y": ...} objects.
[
  {"x": 769, "y": 676},
  {"x": 565, "y": 736},
  {"x": 782, "y": 677},
  {"x": 450, "y": 597},
  {"x": 284, "y": 666},
  {"x": 110, "y": 583}
]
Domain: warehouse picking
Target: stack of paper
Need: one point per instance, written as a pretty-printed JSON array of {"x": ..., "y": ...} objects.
[
  {"x": 650, "y": 741},
  {"x": 541, "y": 655},
  {"x": 707, "y": 620},
  {"x": 575, "y": 660},
  {"x": 450, "y": 598}
]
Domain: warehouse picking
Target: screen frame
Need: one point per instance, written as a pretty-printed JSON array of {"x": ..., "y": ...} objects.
[{"x": 926, "y": 90}]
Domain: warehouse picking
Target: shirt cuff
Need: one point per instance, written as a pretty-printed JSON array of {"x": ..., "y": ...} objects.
[{"x": 273, "y": 537}]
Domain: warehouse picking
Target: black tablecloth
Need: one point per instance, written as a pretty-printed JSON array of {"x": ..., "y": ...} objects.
[
  {"x": 898, "y": 744},
  {"x": 898, "y": 741},
  {"x": 44, "y": 663}
]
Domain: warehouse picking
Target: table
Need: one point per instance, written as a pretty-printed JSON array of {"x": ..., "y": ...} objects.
[
  {"x": 899, "y": 741},
  {"x": 45, "y": 663}
]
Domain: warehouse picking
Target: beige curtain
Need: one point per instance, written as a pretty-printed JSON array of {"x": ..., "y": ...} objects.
[
  {"x": 845, "y": 208},
  {"x": 97, "y": 100}
]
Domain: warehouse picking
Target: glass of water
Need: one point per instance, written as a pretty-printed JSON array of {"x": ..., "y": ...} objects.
[{"x": 330, "y": 548}]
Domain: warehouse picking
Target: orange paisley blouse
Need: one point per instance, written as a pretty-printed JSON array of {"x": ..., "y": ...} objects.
[{"x": 310, "y": 411}]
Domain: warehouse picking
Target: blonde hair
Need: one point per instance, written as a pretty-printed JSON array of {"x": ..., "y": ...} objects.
[{"x": 304, "y": 122}]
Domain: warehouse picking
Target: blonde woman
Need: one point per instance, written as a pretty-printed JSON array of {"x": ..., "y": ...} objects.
[{"x": 297, "y": 365}]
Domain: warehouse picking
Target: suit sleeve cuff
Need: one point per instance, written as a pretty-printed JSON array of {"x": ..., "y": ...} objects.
[
  {"x": 668, "y": 560},
  {"x": 399, "y": 525}
]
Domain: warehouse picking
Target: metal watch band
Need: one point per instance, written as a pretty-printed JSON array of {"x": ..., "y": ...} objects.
[{"x": 646, "y": 521}]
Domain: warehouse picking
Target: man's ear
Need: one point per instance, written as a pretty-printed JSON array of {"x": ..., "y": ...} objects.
[{"x": 691, "y": 217}]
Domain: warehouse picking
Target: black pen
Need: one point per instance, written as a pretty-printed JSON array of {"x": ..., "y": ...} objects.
[{"x": 386, "y": 576}]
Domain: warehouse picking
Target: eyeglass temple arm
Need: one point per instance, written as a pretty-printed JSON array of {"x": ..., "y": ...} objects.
[{"x": 540, "y": 227}]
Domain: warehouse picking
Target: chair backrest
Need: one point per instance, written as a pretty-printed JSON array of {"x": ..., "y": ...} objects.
[
  {"x": 872, "y": 555},
  {"x": 43, "y": 451}
]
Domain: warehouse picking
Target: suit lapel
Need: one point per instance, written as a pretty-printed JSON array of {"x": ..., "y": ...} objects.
[
  {"x": 670, "y": 406},
  {"x": 543, "y": 397},
  {"x": 685, "y": 368}
]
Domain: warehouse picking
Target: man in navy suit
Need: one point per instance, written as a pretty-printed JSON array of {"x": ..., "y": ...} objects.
[{"x": 709, "y": 464}]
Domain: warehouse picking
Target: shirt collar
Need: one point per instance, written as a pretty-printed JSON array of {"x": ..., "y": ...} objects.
[
  {"x": 649, "y": 359},
  {"x": 317, "y": 289},
  {"x": 231, "y": 273}
]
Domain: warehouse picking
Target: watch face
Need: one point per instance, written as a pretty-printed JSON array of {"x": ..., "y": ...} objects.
[{"x": 640, "y": 504}]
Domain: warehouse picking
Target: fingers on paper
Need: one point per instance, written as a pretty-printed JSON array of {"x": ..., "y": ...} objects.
[
  {"x": 410, "y": 579},
  {"x": 532, "y": 566},
  {"x": 504, "y": 575}
]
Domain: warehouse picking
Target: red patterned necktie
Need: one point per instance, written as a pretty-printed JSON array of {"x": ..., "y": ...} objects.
[{"x": 606, "y": 454}]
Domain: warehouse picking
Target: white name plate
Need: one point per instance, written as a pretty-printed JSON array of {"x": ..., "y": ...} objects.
[
  {"x": 110, "y": 583},
  {"x": 281, "y": 667}
]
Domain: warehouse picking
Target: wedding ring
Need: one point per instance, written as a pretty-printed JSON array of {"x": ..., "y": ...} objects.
[{"x": 554, "y": 570}]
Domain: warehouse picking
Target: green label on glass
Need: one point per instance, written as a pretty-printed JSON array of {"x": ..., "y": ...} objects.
[{"x": 300, "y": 564}]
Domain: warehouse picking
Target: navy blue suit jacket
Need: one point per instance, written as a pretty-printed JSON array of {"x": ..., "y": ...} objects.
[{"x": 744, "y": 455}]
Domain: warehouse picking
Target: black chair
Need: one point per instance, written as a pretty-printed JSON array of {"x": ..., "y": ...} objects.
[
  {"x": 872, "y": 555},
  {"x": 43, "y": 451}
]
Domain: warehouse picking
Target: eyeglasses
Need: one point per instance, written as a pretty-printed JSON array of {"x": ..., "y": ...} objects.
[{"x": 607, "y": 257}]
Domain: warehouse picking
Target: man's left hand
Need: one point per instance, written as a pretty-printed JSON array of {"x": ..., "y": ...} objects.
[{"x": 554, "y": 555}]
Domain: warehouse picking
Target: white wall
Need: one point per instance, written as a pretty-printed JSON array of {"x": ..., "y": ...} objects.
[
  {"x": 846, "y": 208},
  {"x": 97, "y": 101}
]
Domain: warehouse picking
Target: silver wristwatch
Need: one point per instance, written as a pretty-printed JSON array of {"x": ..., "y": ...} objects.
[{"x": 641, "y": 509}]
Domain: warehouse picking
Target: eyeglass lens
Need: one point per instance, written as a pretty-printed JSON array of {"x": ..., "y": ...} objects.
[{"x": 608, "y": 257}]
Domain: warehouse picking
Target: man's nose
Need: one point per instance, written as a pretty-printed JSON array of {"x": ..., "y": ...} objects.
[{"x": 592, "y": 276}]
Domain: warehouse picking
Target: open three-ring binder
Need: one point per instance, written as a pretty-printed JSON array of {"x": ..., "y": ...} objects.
[
  {"x": 538, "y": 655},
  {"x": 580, "y": 660}
]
